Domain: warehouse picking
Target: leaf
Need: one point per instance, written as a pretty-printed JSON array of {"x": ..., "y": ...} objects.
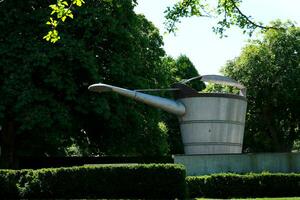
[
  {"x": 53, "y": 6},
  {"x": 70, "y": 15},
  {"x": 47, "y": 37},
  {"x": 78, "y": 2},
  {"x": 65, "y": 3},
  {"x": 52, "y": 36},
  {"x": 55, "y": 39}
]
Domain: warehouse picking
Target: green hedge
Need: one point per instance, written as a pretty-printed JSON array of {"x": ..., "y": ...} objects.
[
  {"x": 249, "y": 185},
  {"x": 162, "y": 181},
  {"x": 8, "y": 183},
  {"x": 104, "y": 181}
]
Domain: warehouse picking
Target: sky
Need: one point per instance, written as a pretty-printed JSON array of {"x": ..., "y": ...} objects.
[{"x": 196, "y": 39}]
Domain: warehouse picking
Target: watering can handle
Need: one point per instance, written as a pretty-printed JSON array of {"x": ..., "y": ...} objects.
[{"x": 219, "y": 80}]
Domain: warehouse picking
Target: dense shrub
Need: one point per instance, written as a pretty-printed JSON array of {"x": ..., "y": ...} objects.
[
  {"x": 249, "y": 185},
  {"x": 103, "y": 181},
  {"x": 8, "y": 183}
]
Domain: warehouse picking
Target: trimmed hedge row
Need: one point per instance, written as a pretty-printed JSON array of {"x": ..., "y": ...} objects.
[
  {"x": 104, "y": 181},
  {"x": 249, "y": 185},
  {"x": 141, "y": 181},
  {"x": 8, "y": 183}
]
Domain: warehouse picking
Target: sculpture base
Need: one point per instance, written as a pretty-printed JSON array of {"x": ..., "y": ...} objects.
[{"x": 239, "y": 163}]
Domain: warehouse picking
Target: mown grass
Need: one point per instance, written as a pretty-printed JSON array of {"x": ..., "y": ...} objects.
[{"x": 279, "y": 198}]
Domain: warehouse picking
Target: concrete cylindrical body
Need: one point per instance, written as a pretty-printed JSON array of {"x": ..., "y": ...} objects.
[{"x": 213, "y": 124}]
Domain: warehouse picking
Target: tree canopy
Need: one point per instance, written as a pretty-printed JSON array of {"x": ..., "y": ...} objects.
[
  {"x": 227, "y": 12},
  {"x": 270, "y": 70},
  {"x": 45, "y": 106}
]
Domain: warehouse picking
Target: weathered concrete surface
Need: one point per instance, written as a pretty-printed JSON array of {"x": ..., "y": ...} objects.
[{"x": 239, "y": 163}]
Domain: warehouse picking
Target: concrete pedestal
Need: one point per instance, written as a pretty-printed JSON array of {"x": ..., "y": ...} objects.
[{"x": 239, "y": 163}]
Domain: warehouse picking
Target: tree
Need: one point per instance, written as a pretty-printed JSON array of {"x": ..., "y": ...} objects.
[
  {"x": 270, "y": 70},
  {"x": 227, "y": 12},
  {"x": 45, "y": 106},
  {"x": 180, "y": 68}
]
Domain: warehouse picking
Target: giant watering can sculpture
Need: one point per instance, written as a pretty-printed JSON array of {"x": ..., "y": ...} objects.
[{"x": 210, "y": 123}]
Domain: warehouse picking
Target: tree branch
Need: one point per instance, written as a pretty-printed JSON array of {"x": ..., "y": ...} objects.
[{"x": 250, "y": 21}]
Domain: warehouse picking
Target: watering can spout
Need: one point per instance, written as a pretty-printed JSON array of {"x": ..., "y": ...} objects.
[{"x": 168, "y": 105}]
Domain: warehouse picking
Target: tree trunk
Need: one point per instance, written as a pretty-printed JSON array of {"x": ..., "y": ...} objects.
[{"x": 8, "y": 138}]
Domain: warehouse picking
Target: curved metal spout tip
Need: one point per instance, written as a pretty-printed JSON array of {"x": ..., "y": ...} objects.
[{"x": 100, "y": 87}]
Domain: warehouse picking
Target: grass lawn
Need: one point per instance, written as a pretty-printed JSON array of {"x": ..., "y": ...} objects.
[{"x": 280, "y": 198}]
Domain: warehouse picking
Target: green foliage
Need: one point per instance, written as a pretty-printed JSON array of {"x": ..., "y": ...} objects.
[
  {"x": 185, "y": 8},
  {"x": 218, "y": 88},
  {"x": 248, "y": 185},
  {"x": 45, "y": 106},
  {"x": 103, "y": 181},
  {"x": 296, "y": 146},
  {"x": 270, "y": 70},
  {"x": 8, "y": 183},
  {"x": 227, "y": 13},
  {"x": 182, "y": 68},
  {"x": 62, "y": 9}
]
